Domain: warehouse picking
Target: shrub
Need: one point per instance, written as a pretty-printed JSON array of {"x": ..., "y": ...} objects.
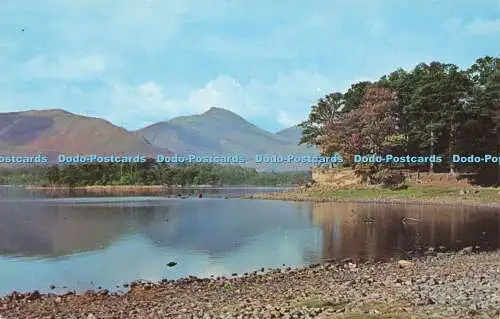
[{"x": 385, "y": 177}]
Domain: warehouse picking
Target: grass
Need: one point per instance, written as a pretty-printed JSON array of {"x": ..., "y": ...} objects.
[
  {"x": 479, "y": 195},
  {"x": 413, "y": 192}
]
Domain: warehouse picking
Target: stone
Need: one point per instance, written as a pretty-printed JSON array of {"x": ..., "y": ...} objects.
[
  {"x": 404, "y": 263},
  {"x": 466, "y": 250}
]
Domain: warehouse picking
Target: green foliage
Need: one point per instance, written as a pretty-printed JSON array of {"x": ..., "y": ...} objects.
[
  {"x": 323, "y": 114},
  {"x": 148, "y": 174},
  {"x": 435, "y": 108}
]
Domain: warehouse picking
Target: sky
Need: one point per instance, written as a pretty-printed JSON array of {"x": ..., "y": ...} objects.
[{"x": 137, "y": 62}]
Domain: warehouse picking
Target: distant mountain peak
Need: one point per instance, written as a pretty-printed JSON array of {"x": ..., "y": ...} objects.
[
  {"x": 48, "y": 112},
  {"x": 214, "y": 110},
  {"x": 293, "y": 132}
]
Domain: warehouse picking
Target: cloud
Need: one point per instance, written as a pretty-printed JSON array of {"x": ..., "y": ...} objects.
[
  {"x": 140, "y": 61},
  {"x": 226, "y": 92},
  {"x": 483, "y": 27},
  {"x": 287, "y": 120},
  {"x": 290, "y": 93},
  {"x": 136, "y": 106},
  {"x": 65, "y": 67}
]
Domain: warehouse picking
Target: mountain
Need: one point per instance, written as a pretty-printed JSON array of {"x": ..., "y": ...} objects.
[
  {"x": 56, "y": 131},
  {"x": 214, "y": 132},
  {"x": 293, "y": 133},
  {"x": 221, "y": 132}
]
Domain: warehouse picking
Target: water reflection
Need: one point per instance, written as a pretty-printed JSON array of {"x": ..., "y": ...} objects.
[
  {"x": 77, "y": 242},
  {"x": 215, "y": 227},
  {"x": 374, "y": 231}
]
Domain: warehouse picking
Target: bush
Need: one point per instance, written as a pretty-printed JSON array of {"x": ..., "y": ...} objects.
[{"x": 385, "y": 177}]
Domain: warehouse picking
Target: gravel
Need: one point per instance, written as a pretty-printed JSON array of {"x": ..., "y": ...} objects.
[{"x": 448, "y": 285}]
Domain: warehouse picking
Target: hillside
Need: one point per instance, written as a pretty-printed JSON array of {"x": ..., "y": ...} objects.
[
  {"x": 56, "y": 131},
  {"x": 293, "y": 133},
  {"x": 219, "y": 131}
]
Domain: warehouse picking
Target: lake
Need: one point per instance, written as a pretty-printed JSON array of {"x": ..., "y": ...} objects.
[{"x": 80, "y": 242}]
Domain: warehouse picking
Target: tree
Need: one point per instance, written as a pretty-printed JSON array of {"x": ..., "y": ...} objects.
[
  {"x": 378, "y": 121},
  {"x": 485, "y": 105},
  {"x": 354, "y": 96},
  {"x": 53, "y": 175},
  {"x": 436, "y": 109},
  {"x": 323, "y": 114}
]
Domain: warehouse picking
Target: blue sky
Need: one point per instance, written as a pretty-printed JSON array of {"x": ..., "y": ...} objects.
[{"x": 136, "y": 62}]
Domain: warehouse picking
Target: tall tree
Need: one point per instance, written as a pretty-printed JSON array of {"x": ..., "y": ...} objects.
[
  {"x": 378, "y": 122},
  {"x": 437, "y": 108},
  {"x": 323, "y": 114},
  {"x": 354, "y": 96},
  {"x": 485, "y": 76}
]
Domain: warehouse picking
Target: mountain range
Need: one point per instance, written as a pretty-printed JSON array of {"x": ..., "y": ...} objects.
[{"x": 215, "y": 132}]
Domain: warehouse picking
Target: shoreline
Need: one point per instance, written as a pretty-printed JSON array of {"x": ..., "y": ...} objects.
[
  {"x": 105, "y": 187},
  {"x": 310, "y": 196},
  {"x": 146, "y": 187},
  {"x": 444, "y": 284}
]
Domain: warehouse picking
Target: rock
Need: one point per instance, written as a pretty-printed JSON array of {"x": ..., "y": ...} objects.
[
  {"x": 104, "y": 292},
  {"x": 466, "y": 250},
  {"x": 454, "y": 286},
  {"x": 404, "y": 263}
]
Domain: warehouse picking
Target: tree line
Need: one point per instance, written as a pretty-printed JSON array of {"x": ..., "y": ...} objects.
[
  {"x": 436, "y": 108},
  {"x": 148, "y": 173}
]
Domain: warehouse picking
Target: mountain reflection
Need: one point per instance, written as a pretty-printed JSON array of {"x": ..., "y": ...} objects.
[
  {"x": 218, "y": 228},
  {"x": 33, "y": 229},
  {"x": 221, "y": 227},
  {"x": 215, "y": 227}
]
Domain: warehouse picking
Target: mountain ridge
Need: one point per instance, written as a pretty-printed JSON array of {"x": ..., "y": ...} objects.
[
  {"x": 216, "y": 131},
  {"x": 219, "y": 130}
]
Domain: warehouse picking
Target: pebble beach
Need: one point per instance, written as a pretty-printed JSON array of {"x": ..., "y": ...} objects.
[{"x": 440, "y": 285}]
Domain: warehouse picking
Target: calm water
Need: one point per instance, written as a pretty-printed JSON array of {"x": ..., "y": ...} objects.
[{"x": 85, "y": 242}]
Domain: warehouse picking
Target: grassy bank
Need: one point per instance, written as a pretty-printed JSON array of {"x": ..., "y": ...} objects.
[{"x": 412, "y": 194}]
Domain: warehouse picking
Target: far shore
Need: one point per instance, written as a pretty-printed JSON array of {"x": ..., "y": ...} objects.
[
  {"x": 413, "y": 194},
  {"x": 421, "y": 195},
  {"x": 36, "y": 187},
  {"x": 144, "y": 187}
]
